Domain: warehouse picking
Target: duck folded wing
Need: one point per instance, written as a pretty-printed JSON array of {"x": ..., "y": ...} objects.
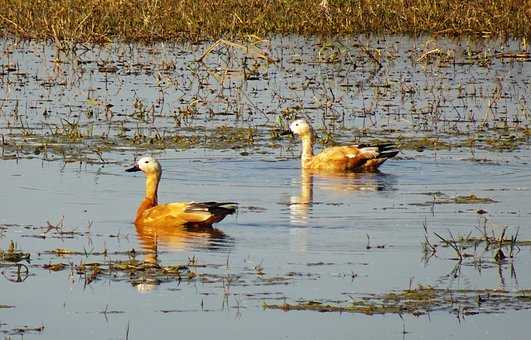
[
  {"x": 164, "y": 214},
  {"x": 360, "y": 157},
  {"x": 187, "y": 213}
]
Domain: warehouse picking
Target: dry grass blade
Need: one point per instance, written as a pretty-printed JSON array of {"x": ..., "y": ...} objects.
[
  {"x": 248, "y": 49},
  {"x": 17, "y": 27},
  {"x": 452, "y": 244},
  {"x": 428, "y": 246},
  {"x": 514, "y": 243},
  {"x": 127, "y": 331},
  {"x": 428, "y": 54}
]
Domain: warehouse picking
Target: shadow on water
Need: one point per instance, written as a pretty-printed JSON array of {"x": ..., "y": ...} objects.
[{"x": 300, "y": 205}]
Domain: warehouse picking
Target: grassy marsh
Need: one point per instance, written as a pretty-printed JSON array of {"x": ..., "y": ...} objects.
[
  {"x": 457, "y": 107},
  {"x": 238, "y": 96},
  {"x": 147, "y": 21}
]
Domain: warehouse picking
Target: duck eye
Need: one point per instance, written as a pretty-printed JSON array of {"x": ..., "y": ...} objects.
[{"x": 146, "y": 162}]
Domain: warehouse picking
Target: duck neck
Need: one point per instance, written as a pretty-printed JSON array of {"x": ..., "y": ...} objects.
[
  {"x": 150, "y": 200},
  {"x": 152, "y": 185},
  {"x": 307, "y": 149}
]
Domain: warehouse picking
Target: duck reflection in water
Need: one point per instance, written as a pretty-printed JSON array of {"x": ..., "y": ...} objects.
[
  {"x": 301, "y": 204},
  {"x": 154, "y": 240},
  {"x": 300, "y": 207},
  {"x": 181, "y": 238}
]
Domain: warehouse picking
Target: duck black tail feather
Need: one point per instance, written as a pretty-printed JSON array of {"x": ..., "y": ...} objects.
[
  {"x": 385, "y": 150},
  {"x": 388, "y": 154},
  {"x": 216, "y": 208}
]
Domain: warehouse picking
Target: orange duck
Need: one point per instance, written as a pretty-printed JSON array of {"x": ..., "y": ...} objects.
[
  {"x": 194, "y": 214},
  {"x": 339, "y": 158}
]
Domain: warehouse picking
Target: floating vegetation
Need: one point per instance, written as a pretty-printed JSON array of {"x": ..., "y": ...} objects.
[
  {"x": 23, "y": 330},
  {"x": 54, "y": 266},
  {"x": 441, "y": 198},
  {"x": 139, "y": 272},
  {"x": 506, "y": 143},
  {"x": 12, "y": 254},
  {"x": 134, "y": 270},
  {"x": 421, "y": 144},
  {"x": 421, "y": 301},
  {"x": 471, "y": 199}
]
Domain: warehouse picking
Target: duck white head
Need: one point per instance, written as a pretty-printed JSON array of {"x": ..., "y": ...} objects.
[
  {"x": 301, "y": 127},
  {"x": 148, "y": 165},
  {"x": 304, "y": 130}
]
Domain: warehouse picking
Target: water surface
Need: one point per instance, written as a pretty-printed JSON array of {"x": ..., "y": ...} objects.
[{"x": 297, "y": 236}]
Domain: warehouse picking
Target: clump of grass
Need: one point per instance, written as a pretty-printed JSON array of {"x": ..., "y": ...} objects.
[
  {"x": 133, "y": 269},
  {"x": 441, "y": 198},
  {"x": 24, "y": 330},
  {"x": 226, "y": 136},
  {"x": 472, "y": 199},
  {"x": 420, "y": 301},
  {"x": 423, "y": 143},
  {"x": 496, "y": 244},
  {"x": 504, "y": 143},
  {"x": 71, "y": 21},
  {"x": 13, "y": 254}
]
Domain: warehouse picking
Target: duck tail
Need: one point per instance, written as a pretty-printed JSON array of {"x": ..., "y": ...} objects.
[
  {"x": 388, "y": 154},
  {"x": 380, "y": 153},
  {"x": 217, "y": 211},
  {"x": 215, "y": 208},
  {"x": 384, "y": 150}
]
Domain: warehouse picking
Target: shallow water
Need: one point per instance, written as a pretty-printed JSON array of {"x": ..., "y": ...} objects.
[{"x": 296, "y": 236}]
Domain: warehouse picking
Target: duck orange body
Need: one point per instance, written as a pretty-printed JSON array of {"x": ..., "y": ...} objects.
[
  {"x": 152, "y": 214},
  {"x": 339, "y": 158}
]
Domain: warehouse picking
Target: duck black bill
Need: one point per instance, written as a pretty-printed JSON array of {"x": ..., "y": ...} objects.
[
  {"x": 286, "y": 133},
  {"x": 133, "y": 168}
]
